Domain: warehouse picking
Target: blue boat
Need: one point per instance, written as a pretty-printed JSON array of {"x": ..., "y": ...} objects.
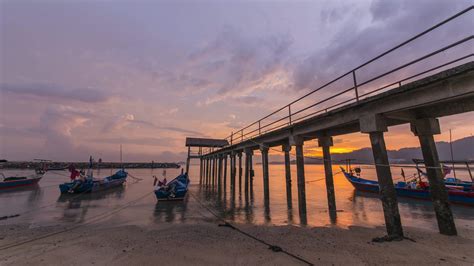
[
  {"x": 92, "y": 185},
  {"x": 176, "y": 189},
  {"x": 457, "y": 194}
]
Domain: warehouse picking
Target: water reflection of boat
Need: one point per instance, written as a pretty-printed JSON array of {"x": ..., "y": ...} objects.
[
  {"x": 456, "y": 195},
  {"x": 170, "y": 211},
  {"x": 176, "y": 189},
  {"x": 116, "y": 192}
]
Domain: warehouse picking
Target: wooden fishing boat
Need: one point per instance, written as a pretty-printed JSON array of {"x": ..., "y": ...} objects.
[
  {"x": 93, "y": 185},
  {"x": 176, "y": 189},
  {"x": 457, "y": 194},
  {"x": 14, "y": 182}
]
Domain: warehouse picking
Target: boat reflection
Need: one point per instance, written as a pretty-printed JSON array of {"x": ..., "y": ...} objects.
[
  {"x": 171, "y": 211},
  {"x": 78, "y": 205}
]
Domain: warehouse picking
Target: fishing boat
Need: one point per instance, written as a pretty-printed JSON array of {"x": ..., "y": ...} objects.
[
  {"x": 451, "y": 180},
  {"x": 90, "y": 184},
  {"x": 418, "y": 190},
  {"x": 82, "y": 183},
  {"x": 175, "y": 189},
  {"x": 14, "y": 182}
]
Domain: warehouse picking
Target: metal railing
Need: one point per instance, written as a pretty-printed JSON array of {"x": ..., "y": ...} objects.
[{"x": 259, "y": 127}]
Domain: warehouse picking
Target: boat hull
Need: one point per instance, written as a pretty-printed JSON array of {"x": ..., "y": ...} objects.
[
  {"x": 456, "y": 196},
  {"x": 115, "y": 180},
  {"x": 9, "y": 185},
  {"x": 176, "y": 189}
]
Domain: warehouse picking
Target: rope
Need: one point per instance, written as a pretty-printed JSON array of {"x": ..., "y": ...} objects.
[
  {"x": 76, "y": 195},
  {"x": 225, "y": 223},
  {"x": 78, "y": 225}
]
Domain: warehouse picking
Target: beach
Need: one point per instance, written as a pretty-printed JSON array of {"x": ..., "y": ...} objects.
[
  {"x": 127, "y": 225},
  {"x": 201, "y": 241}
]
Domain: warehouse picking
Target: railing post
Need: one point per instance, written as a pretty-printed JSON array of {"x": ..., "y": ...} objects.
[
  {"x": 355, "y": 85},
  {"x": 259, "y": 130},
  {"x": 231, "y": 136},
  {"x": 289, "y": 113},
  {"x": 241, "y": 135}
]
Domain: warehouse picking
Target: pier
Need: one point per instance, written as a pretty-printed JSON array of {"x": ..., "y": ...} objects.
[{"x": 369, "y": 107}]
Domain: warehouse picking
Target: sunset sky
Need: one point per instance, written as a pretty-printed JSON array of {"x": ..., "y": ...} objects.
[{"x": 82, "y": 77}]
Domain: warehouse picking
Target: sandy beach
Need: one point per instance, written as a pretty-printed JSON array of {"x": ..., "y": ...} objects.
[{"x": 200, "y": 240}]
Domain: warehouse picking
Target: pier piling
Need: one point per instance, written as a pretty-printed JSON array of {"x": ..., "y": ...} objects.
[
  {"x": 326, "y": 142},
  {"x": 287, "y": 148},
  {"x": 298, "y": 142},
  {"x": 425, "y": 129},
  {"x": 375, "y": 126},
  {"x": 266, "y": 189}
]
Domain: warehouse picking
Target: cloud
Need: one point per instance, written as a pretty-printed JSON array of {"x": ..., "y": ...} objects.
[
  {"x": 240, "y": 65},
  {"x": 145, "y": 141},
  {"x": 392, "y": 22},
  {"x": 56, "y": 92}
]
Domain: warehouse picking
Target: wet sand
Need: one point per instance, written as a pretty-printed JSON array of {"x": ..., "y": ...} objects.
[{"x": 199, "y": 240}]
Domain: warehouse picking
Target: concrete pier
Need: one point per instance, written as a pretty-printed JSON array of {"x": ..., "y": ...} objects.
[
  {"x": 208, "y": 172},
  {"x": 239, "y": 154},
  {"x": 219, "y": 174},
  {"x": 375, "y": 126},
  {"x": 232, "y": 173},
  {"x": 266, "y": 185},
  {"x": 325, "y": 143},
  {"x": 298, "y": 143},
  {"x": 225, "y": 172},
  {"x": 286, "y": 148},
  {"x": 424, "y": 129},
  {"x": 213, "y": 177},
  {"x": 248, "y": 165}
]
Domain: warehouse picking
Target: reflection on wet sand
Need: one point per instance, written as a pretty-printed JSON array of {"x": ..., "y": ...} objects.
[
  {"x": 170, "y": 211},
  {"x": 78, "y": 205}
]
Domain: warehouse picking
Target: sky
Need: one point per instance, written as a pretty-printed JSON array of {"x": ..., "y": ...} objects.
[{"x": 80, "y": 78}]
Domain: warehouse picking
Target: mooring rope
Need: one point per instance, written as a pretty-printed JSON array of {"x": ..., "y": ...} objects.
[
  {"x": 226, "y": 223},
  {"x": 73, "y": 197},
  {"x": 77, "y": 225}
]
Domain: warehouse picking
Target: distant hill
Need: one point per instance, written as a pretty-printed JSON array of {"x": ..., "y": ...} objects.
[{"x": 463, "y": 149}]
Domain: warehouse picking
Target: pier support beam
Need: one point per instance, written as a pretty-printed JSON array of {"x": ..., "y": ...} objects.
[
  {"x": 207, "y": 172},
  {"x": 326, "y": 142},
  {"x": 266, "y": 190},
  {"x": 225, "y": 172},
  {"x": 188, "y": 160},
  {"x": 248, "y": 162},
  {"x": 232, "y": 173},
  {"x": 213, "y": 176},
  {"x": 219, "y": 174},
  {"x": 425, "y": 129},
  {"x": 375, "y": 126},
  {"x": 286, "y": 148},
  {"x": 201, "y": 169},
  {"x": 239, "y": 154},
  {"x": 298, "y": 142}
]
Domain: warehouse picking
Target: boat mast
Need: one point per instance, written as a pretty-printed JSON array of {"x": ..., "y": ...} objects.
[
  {"x": 121, "y": 163},
  {"x": 452, "y": 155}
]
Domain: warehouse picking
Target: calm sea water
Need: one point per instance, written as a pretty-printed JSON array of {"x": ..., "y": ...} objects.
[{"x": 43, "y": 205}]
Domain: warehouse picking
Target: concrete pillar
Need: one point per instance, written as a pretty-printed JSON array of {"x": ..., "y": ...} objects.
[
  {"x": 188, "y": 160},
  {"x": 219, "y": 173},
  {"x": 201, "y": 168},
  {"x": 239, "y": 154},
  {"x": 266, "y": 189},
  {"x": 298, "y": 142},
  {"x": 326, "y": 142},
  {"x": 287, "y": 148},
  {"x": 213, "y": 172},
  {"x": 248, "y": 161},
  {"x": 424, "y": 129},
  {"x": 232, "y": 172},
  {"x": 207, "y": 172},
  {"x": 225, "y": 172},
  {"x": 375, "y": 126}
]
